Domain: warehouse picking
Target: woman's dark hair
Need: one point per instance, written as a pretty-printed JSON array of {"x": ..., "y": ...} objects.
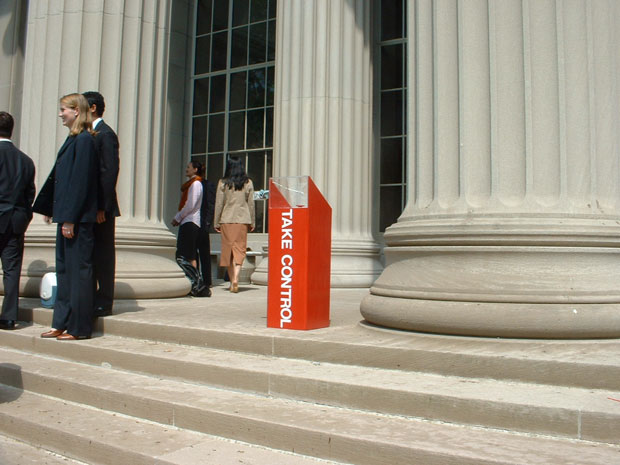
[
  {"x": 235, "y": 175},
  {"x": 198, "y": 167}
]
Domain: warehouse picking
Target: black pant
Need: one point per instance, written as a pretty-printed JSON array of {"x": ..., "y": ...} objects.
[
  {"x": 74, "y": 309},
  {"x": 11, "y": 253},
  {"x": 104, "y": 262},
  {"x": 204, "y": 252}
]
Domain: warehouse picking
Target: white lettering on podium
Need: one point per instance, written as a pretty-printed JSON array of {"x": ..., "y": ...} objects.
[
  {"x": 286, "y": 272},
  {"x": 287, "y": 232}
]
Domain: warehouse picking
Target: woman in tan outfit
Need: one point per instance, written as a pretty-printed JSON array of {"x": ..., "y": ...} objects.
[{"x": 234, "y": 216}]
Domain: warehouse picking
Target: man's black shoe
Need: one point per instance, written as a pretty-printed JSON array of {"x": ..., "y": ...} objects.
[
  {"x": 204, "y": 292},
  {"x": 102, "y": 311},
  {"x": 7, "y": 324}
]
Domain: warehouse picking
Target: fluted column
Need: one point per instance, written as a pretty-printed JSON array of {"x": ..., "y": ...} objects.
[
  {"x": 120, "y": 49},
  {"x": 323, "y": 122},
  {"x": 13, "y": 35},
  {"x": 512, "y": 225}
]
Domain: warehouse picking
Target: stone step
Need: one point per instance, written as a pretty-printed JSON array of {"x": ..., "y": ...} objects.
[
  {"x": 588, "y": 364},
  {"x": 13, "y": 452},
  {"x": 326, "y": 432},
  {"x": 76, "y": 434},
  {"x": 526, "y": 407}
]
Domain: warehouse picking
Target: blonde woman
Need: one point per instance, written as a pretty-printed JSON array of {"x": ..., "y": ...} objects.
[
  {"x": 69, "y": 198},
  {"x": 234, "y": 217}
]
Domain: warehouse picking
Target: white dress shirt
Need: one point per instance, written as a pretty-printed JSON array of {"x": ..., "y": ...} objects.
[{"x": 191, "y": 209}]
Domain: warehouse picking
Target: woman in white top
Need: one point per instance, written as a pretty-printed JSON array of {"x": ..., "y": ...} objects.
[{"x": 188, "y": 218}]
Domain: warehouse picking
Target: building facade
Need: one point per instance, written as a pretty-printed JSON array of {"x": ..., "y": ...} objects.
[{"x": 469, "y": 149}]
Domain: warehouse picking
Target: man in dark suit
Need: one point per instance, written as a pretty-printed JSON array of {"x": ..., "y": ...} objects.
[
  {"x": 206, "y": 219},
  {"x": 107, "y": 205},
  {"x": 16, "y": 197}
]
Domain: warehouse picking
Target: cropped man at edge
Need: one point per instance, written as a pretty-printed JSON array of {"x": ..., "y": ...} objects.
[
  {"x": 104, "y": 260},
  {"x": 16, "y": 196}
]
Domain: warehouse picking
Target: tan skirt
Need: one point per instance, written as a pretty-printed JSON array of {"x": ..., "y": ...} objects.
[{"x": 234, "y": 243}]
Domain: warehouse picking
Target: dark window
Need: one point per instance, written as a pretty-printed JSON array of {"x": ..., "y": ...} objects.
[
  {"x": 392, "y": 90},
  {"x": 255, "y": 119},
  {"x": 271, "y": 41},
  {"x": 258, "y": 43},
  {"x": 233, "y": 91},
  {"x": 216, "y": 133},
  {"x": 218, "y": 93},
  {"x": 392, "y": 66},
  {"x": 203, "y": 55},
  {"x": 393, "y": 19},
  {"x": 239, "y": 55},
  {"x": 256, "y": 88},
  {"x": 203, "y": 17},
  {"x": 201, "y": 96},
  {"x": 215, "y": 167},
  {"x": 259, "y": 10},
  {"x": 219, "y": 52},
  {"x": 241, "y": 12},
  {"x": 270, "y": 85},
  {"x": 220, "y": 15},
  {"x": 238, "y": 88},
  {"x": 269, "y": 127},
  {"x": 199, "y": 135},
  {"x": 236, "y": 130},
  {"x": 392, "y": 113},
  {"x": 392, "y": 160},
  {"x": 391, "y": 205}
]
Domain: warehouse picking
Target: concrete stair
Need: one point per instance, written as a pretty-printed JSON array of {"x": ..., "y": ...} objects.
[
  {"x": 149, "y": 392},
  {"x": 14, "y": 452}
]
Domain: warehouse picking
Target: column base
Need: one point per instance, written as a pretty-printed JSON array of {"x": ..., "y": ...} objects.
[
  {"x": 355, "y": 265},
  {"x": 145, "y": 265},
  {"x": 499, "y": 291},
  {"x": 351, "y": 267},
  {"x": 543, "y": 321}
]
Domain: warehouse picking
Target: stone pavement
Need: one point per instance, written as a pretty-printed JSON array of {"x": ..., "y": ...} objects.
[{"x": 245, "y": 311}]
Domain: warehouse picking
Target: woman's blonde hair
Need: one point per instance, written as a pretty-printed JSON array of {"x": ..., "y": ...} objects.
[{"x": 84, "y": 119}]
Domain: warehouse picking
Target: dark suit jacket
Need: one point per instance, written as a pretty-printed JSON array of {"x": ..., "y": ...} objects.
[
  {"x": 208, "y": 204},
  {"x": 69, "y": 195},
  {"x": 107, "y": 149},
  {"x": 16, "y": 188}
]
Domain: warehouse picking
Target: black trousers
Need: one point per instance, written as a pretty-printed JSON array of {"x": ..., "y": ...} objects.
[
  {"x": 204, "y": 254},
  {"x": 11, "y": 253},
  {"x": 74, "y": 309},
  {"x": 187, "y": 241},
  {"x": 104, "y": 262}
]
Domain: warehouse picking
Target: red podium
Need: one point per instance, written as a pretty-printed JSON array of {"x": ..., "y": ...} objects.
[{"x": 300, "y": 225}]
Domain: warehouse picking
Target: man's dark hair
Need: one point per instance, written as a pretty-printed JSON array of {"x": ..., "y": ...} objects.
[
  {"x": 95, "y": 98},
  {"x": 6, "y": 125}
]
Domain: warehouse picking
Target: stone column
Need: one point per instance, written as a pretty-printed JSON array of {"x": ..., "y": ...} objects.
[
  {"x": 512, "y": 225},
  {"x": 323, "y": 122},
  {"x": 121, "y": 49},
  {"x": 13, "y": 40}
]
